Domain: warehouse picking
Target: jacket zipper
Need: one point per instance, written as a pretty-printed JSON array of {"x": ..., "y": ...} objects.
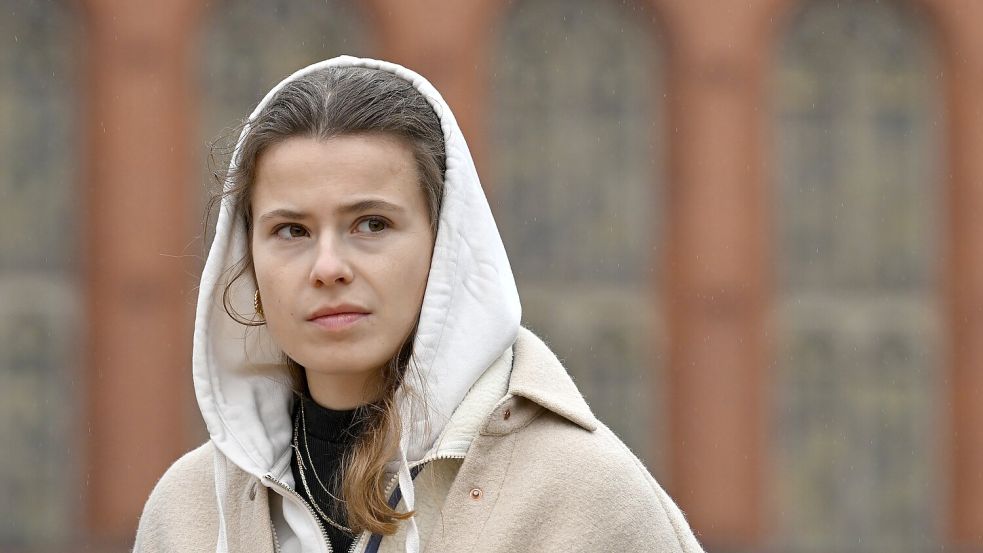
[
  {"x": 394, "y": 481},
  {"x": 355, "y": 543},
  {"x": 324, "y": 534},
  {"x": 289, "y": 490},
  {"x": 395, "y": 478}
]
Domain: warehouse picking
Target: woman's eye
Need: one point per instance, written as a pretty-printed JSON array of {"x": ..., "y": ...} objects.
[
  {"x": 372, "y": 225},
  {"x": 291, "y": 231}
]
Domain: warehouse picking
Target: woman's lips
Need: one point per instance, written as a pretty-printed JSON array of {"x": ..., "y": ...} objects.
[{"x": 339, "y": 321}]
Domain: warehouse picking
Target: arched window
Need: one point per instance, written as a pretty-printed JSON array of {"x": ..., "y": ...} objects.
[
  {"x": 39, "y": 288},
  {"x": 858, "y": 207},
  {"x": 250, "y": 45},
  {"x": 576, "y": 184}
]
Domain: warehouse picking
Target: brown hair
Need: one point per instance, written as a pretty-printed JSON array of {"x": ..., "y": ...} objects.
[{"x": 323, "y": 104}]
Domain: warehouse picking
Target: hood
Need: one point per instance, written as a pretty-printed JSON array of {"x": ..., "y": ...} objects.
[{"x": 470, "y": 316}]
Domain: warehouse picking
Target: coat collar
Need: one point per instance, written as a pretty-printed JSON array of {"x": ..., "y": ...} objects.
[
  {"x": 516, "y": 388},
  {"x": 538, "y": 376}
]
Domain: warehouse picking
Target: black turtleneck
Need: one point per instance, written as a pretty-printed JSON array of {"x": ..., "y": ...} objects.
[{"x": 329, "y": 435}]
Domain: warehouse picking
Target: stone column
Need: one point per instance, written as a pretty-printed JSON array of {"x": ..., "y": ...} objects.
[
  {"x": 449, "y": 43},
  {"x": 139, "y": 180},
  {"x": 719, "y": 264},
  {"x": 961, "y": 46}
]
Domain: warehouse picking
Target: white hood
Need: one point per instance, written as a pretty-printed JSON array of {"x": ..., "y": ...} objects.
[{"x": 470, "y": 316}]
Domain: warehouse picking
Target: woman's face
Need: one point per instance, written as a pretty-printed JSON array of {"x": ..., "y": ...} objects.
[{"x": 341, "y": 247}]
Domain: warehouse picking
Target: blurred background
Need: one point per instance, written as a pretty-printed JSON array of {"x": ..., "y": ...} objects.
[{"x": 753, "y": 230}]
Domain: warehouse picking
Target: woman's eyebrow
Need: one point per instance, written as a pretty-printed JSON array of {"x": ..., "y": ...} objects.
[
  {"x": 370, "y": 205},
  {"x": 282, "y": 214}
]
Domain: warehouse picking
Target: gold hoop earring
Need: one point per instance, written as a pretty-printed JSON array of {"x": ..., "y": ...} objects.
[{"x": 258, "y": 304}]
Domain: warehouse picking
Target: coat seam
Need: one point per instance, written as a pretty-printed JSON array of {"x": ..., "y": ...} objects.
[
  {"x": 498, "y": 491},
  {"x": 532, "y": 419}
]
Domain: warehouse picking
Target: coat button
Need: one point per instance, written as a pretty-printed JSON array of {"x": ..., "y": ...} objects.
[
  {"x": 476, "y": 493},
  {"x": 507, "y": 414}
]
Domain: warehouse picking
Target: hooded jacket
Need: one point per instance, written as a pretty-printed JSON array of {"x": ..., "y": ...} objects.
[{"x": 504, "y": 456}]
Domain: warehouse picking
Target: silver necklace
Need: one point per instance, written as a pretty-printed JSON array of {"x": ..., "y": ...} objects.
[
  {"x": 303, "y": 423},
  {"x": 303, "y": 477}
]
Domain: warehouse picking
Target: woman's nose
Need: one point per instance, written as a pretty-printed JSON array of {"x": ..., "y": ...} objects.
[{"x": 331, "y": 265}]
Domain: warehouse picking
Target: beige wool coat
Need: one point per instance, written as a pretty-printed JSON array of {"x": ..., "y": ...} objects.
[{"x": 540, "y": 474}]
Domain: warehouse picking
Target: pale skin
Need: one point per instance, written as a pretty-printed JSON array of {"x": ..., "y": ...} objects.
[{"x": 341, "y": 247}]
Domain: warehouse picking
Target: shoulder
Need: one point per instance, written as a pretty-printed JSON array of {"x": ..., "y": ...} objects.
[
  {"x": 602, "y": 484},
  {"x": 570, "y": 473},
  {"x": 182, "y": 509},
  {"x": 191, "y": 475},
  {"x": 582, "y": 458},
  {"x": 195, "y": 466}
]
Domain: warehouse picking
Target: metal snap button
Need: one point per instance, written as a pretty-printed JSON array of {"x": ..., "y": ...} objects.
[{"x": 476, "y": 494}]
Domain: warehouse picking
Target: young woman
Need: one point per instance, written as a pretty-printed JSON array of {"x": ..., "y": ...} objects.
[{"x": 358, "y": 358}]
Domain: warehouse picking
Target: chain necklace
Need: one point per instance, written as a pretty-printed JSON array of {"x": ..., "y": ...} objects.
[
  {"x": 303, "y": 423},
  {"x": 303, "y": 477}
]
